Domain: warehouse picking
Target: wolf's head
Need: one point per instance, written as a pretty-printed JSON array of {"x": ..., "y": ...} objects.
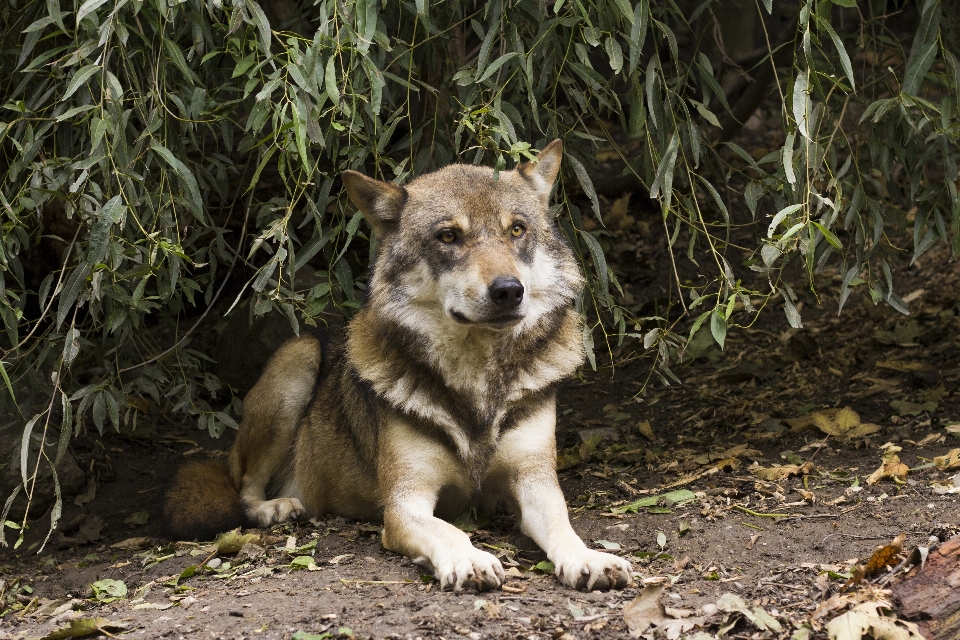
[{"x": 466, "y": 247}]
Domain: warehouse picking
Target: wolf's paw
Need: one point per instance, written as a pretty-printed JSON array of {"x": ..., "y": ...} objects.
[
  {"x": 589, "y": 570},
  {"x": 270, "y": 512},
  {"x": 469, "y": 568}
]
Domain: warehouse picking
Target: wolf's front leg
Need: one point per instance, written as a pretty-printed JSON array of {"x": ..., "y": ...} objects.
[
  {"x": 412, "y": 470},
  {"x": 526, "y": 461}
]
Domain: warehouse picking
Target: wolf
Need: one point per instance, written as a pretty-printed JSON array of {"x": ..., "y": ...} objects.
[{"x": 441, "y": 394}]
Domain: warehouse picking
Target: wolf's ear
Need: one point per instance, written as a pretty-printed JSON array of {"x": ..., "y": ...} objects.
[
  {"x": 379, "y": 202},
  {"x": 544, "y": 172}
]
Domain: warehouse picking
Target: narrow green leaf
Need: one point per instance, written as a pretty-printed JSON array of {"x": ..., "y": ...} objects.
[
  {"x": 492, "y": 31},
  {"x": 367, "y": 24},
  {"x": 79, "y": 78},
  {"x": 718, "y": 327},
  {"x": 587, "y": 347},
  {"x": 626, "y": 9},
  {"x": 69, "y": 113},
  {"x": 70, "y": 292},
  {"x": 705, "y": 112},
  {"x": 841, "y": 51},
  {"x": 638, "y": 33},
  {"x": 828, "y": 235},
  {"x": 87, "y": 8},
  {"x": 706, "y": 74},
  {"x": 697, "y": 324},
  {"x": 917, "y": 68},
  {"x": 790, "y": 308},
  {"x": 300, "y": 132},
  {"x": 6, "y": 382},
  {"x": 25, "y": 450},
  {"x": 313, "y": 246},
  {"x": 665, "y": 168},
  {"x": 716, "y": 198},
  {"x": 650, "y": 84},
  {"x": 71, "y": 345},
  {"x": 496, "y": 64},
  {"x": 6, "y": 510},
  {"x": 176, "y": 55},
  {"x": 66, "y": 426},
  {"x": 599, "y": 262},
  {"x": 330, "y": 81},
  {"x": 788, "y": 159},
  {"x": 184, "y": 173},
  {"x": 263, "y": 163},
  {"x": 783, "y": 213},
  {"x": 586, "y": 183},
  {"x": 263, "y": 25},
  {"x": 802, "y": 105},
  {"x": 614, "y": 53}
]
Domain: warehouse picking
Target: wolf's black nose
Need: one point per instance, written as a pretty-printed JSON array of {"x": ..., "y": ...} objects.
[{"x": 506, "y": 293}]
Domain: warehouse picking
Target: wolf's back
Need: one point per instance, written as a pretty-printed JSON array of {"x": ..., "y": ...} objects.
[{"x": 201, "y": 502}]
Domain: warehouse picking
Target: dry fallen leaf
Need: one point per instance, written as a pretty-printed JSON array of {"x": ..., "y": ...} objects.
[
  {"x": 88, "y": 494},
  {"x": 233, "y": 541},
  {"x": 727, "y": 464},
  {"x": 645, "y": 610},
  {"x": 82, "y": 627},
  {"x": 890, "y": 467},
  {"x": 773, "y": 474},
  {"x": 132, "y": 544},
  {"x": 758, "y": 616},
  {"x": 89, "y": 531},
  {"x": 741, "y": 450},
  {"x": 950, "y": 460},
  {"x": 617, "y": 216},
  {"x": 845, "y": 424},
  {"x": 902, "y": 366},
  {"x": 646, "y": 430},
  {"x": 885, "y": 556},
  {"x": 809, "y": 420},
  {"x": 828, "y": 606},
  {"x": 867, "y": 618}
]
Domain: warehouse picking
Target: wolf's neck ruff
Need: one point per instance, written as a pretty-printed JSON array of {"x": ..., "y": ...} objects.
[{"x": 481, "y": 374}]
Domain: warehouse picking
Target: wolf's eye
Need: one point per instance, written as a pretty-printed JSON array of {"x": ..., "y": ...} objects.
[
  {"x": 517, "y": 230},
  {"x": 447, "y": 236}
]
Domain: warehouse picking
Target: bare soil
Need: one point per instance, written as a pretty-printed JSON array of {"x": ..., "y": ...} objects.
[{"x": 784, "y": 545}]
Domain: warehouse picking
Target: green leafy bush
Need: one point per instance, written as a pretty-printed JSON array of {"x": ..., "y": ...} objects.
[{"x": 163, "y": 161}]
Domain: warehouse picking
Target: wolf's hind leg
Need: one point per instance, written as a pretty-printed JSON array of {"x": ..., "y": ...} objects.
[
  {"x": 413, "y": 469},
  {"x": 262, "y": 454}
]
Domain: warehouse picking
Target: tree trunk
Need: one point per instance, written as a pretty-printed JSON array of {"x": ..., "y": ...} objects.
[{"x": 931, "y": 597}]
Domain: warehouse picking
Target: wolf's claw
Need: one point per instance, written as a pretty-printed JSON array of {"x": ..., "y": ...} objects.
[
  {"x": 475, "y": 569},
  {"x": 277, "y": 510},
  {"x": 589, "y": 570}
]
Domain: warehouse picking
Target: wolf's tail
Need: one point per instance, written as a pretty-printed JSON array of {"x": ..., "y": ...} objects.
[{"x": 201, "y": 502}]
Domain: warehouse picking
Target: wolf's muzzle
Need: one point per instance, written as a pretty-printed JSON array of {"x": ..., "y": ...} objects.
[{"x": 506, "y": 293}]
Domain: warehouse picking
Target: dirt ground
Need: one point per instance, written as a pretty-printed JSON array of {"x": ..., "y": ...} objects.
[
  {"x": 720, "y": 446},
  {"x": 745, "y": 496}
]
